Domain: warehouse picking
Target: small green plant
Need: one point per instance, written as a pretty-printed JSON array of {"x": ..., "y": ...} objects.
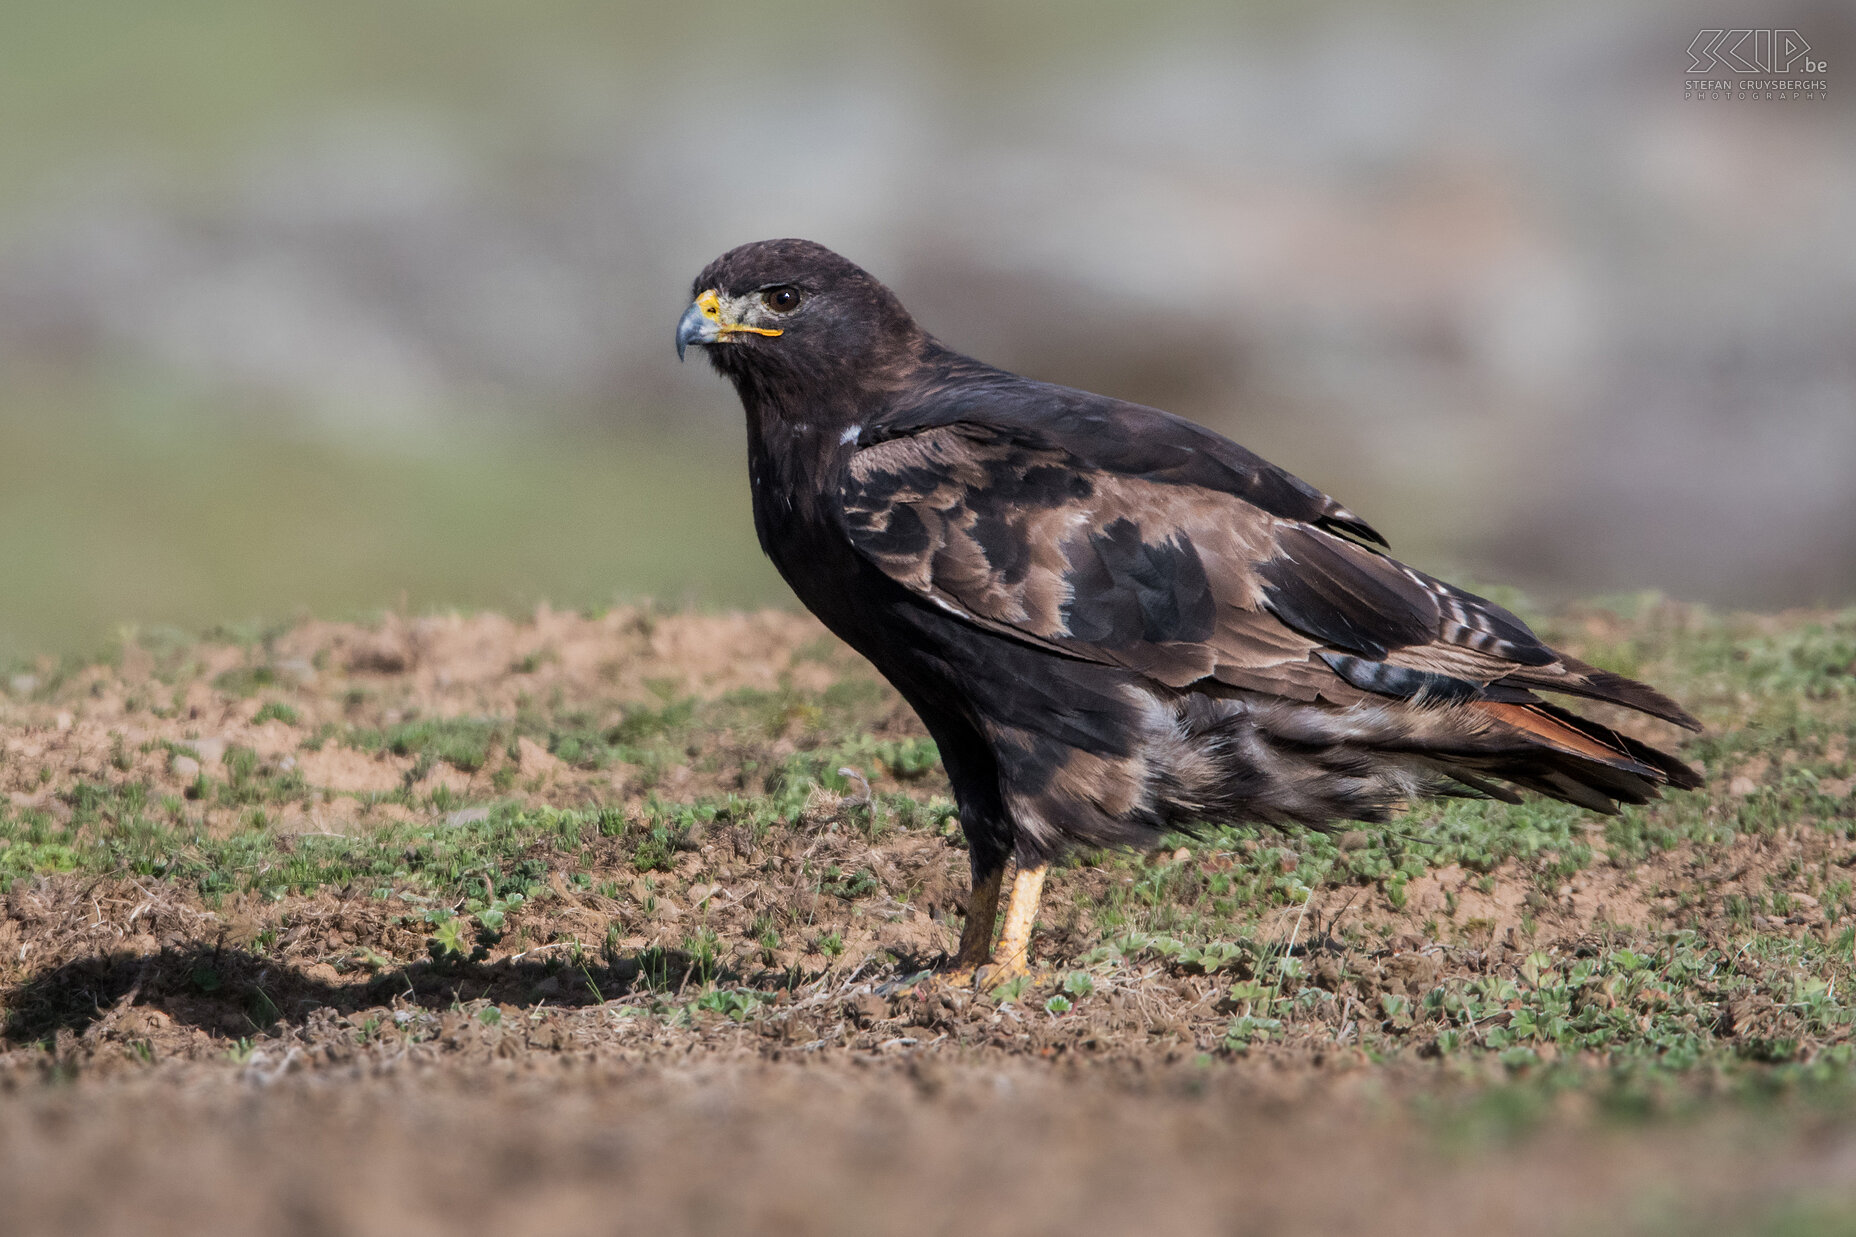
[
  {"x": 657, "y": 852},
  {"x": 464, "y": 743},
  {"x": 493, "y": 916},
  {"x": 1009, "y": 991},
  {"x": 1246, "y": 1029},
  {"x": 848, "y": 885},
  {"x": 654, "y": 968},
  {"x": 704, "y": 949},
  {"x": 529, "y": 663},
  {"x": 451, "y": 939},
  {"x": 246, "y": 680},
  {"x": 276, "y": 711},
  {"x": 735, "y": 1004}
]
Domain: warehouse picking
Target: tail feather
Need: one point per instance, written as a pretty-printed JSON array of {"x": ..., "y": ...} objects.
[
  {"x": 1559, "y": 776},
  {"x": 1248, "y": 757},
  {"x": 1572, "y": 677},
  {"x": 1539, "y": 722},
  {"x": 1475, "y": 784},
  {"x": 1561, "y": 784},
  {"x": 1674, "y": 771},
  {"x": 1573, "y": 758}
]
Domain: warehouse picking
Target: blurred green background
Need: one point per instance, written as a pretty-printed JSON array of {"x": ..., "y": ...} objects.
[{"x": 340, "y": 306}]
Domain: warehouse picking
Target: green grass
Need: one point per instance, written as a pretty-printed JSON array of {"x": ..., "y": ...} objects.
[
  {"x": 463, "y": 743},
  {"x": 1719, "y": 993},
  {"x": 124, "y": 828},
  {"x": 103, "y": 519},
  {"x": 1807, "y": 1217},
  {"x": 196, "y": 86}
]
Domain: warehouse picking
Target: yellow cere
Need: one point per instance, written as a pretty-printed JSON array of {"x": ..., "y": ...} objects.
[{"x": 711, "y": 306}]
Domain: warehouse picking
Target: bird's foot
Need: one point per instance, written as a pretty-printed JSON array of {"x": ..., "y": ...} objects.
[
  {"x": 987, "y": 976},
  {"x": 958, "y": 972},
  {"x": 997, "y": 974}
]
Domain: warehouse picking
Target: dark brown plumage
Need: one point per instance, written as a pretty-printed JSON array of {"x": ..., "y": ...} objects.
[{"x": 1113, "y": 621}]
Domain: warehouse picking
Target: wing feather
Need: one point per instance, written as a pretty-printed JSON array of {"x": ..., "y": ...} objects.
[{"x": 1142, "y": 559}]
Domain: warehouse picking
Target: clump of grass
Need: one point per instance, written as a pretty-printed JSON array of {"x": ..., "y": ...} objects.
[
  {"x": 277, "y": 711},
  {"x": 462, "y": 742},
  {"x": 246, "y": 680}
]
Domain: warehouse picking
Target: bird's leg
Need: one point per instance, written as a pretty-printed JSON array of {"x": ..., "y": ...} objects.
[
  {"x": 1012, "y": 958},
  {"x": 982, "y": 914}
]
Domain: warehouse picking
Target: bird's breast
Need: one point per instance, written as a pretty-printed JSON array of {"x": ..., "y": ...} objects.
[{"x": 795, "y": 504}]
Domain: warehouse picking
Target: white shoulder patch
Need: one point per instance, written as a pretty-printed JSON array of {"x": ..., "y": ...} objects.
[{"x": 850, "y": 435}]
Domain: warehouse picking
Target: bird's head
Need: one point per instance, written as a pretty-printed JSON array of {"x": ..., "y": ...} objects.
[{"x": 784, "y": 311}]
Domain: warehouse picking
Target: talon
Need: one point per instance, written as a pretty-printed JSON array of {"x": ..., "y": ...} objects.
[
  {"x": 994, "y": 974},
  {"x": 959, "y": 977}
]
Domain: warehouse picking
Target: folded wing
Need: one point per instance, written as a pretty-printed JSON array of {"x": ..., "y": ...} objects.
[{"x": 1144, "y": 560}]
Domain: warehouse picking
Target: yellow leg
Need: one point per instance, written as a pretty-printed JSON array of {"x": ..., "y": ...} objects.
[
  {"x": 1012, "y": 958},
  {"x": 976, "y": 937}
]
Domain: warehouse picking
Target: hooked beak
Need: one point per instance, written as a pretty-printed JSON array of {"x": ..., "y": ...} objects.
[
  {"x": 694, "y": 327},
  {"x": 708, "y": 320}
]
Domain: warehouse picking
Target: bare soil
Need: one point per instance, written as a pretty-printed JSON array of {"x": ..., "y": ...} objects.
[
  {"x": 495, "y": 1145},
  {"x": 181, "y": 1058}
]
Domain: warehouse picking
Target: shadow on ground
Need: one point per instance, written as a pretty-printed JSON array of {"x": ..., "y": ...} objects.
[{"x": 234, "y": 992}]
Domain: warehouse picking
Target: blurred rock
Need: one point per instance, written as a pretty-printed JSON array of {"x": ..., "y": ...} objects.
[{"x": 210, "y": 751}]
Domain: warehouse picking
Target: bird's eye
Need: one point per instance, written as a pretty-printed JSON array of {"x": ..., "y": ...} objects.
[{"x": 781, "y": 300}]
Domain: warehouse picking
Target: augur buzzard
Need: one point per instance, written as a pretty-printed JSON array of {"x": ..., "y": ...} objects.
[{"x": 1112, "y": 621}]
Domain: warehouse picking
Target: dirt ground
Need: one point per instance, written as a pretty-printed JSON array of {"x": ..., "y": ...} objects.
[
  {"x": 293, "y": 942},
  {"x": 924, "y": 1147}
]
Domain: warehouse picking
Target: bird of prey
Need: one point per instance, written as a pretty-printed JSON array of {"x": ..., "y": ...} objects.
[{"x": 1112, "y": 621}]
